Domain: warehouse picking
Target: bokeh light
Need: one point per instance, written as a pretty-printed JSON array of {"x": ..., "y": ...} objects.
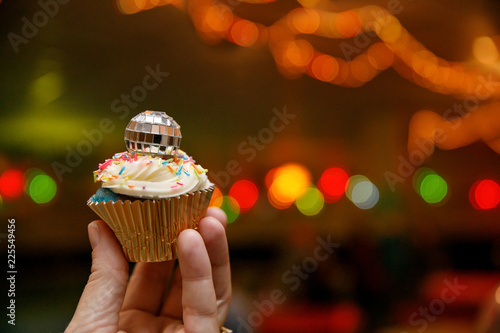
[
  {"x": 42, "y": 189},
  {"x": 431, "y": 187},
  {"x": 219, "y": 18},
  {"x": 288, "y": 183},
  {"x": 324, "y": 67},
  {"x": 244, "y": 33},
  {"x": 348, "y": 23},
  {"x": 47, "y": 88},
  {"x": 12, "y": 184},
  {"x": 362, "y": 192},
  {"x": 231, "y": 208},
  {"x": 332, "y": 184},
  {"x": 128, "y": 6},
  {"x": 485, "y": 194},
  {"x": 299, "y": 53},
  {"x": 270, "y": 176},
  {"x": 305, "y": 21},
  {"x": 245, "y": 192},
  {"x": 216, "y": 200},
  {"x": 29, "y": 175},
  {"x": 485, "y": 50},
  {"x": 311, "y": 202}
]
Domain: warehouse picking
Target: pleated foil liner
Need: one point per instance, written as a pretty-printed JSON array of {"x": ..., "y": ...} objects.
[{"x": 148, "y": 229}]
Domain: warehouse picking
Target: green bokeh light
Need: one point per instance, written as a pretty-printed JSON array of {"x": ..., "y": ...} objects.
[
  {"x": 231, "y": 208},
  {"x": 42, "y": 189},
  {"x": 433, "y": 188},
  {"x": 311, "y": 202},
  {"x": 30, "y": 174}
]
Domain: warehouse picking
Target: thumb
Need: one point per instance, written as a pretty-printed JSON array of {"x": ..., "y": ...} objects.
[{"x": 102, "y": 298}]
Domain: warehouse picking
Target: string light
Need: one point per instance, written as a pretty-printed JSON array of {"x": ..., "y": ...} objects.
[
  {"x": 294, "y": 56},
  {"x": 429, "y": 128}
]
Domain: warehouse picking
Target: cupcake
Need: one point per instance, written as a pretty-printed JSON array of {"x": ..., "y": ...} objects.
[{"x": 151, "y": 192}]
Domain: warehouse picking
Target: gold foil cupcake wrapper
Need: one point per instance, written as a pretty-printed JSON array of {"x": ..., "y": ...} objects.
[{"x": 148, "y": 229}]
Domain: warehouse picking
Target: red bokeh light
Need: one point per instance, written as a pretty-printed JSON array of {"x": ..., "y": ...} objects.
[
  {"x": 333, "y": 183},
  {"x": 485, "y": 194},
  {"x": 245, "y": 192},
  {"x": 12, "y": 184}
]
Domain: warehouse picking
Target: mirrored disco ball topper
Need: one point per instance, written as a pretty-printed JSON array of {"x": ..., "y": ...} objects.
[{"x": 153, "y": 133}]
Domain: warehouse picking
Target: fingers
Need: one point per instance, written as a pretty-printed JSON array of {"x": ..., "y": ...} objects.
[
  {"x": 103, "y": 295},
  {"x": 198, "y": 293},
  {"x": 214, "y": 237},
  {"x": 218, "y": 214},
  {"x": 173, "y": 303},
  {"x": 172, "y": 307},
  {"x": 146, "y": 286}
]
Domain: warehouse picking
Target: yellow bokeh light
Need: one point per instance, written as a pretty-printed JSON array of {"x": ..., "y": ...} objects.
[
  {"x": 47, "y": 88},
  {"x": 390, "y": 28},
  {"x": 485, "y": 50},
  {"x": 290, "y": 181}
]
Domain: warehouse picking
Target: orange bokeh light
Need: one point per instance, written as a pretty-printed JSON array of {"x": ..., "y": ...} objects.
[
  {"x": 216, "y": 200},
  {"x": 348, "y": 23},
  {"x": 362, "y": 69},
  {"x": 244, "y": 32},
  {"x": 380, "y": 56},
  {"x": 128, "y": 6},
  {"x": 299, "y": 53},
  {"x": 219, "y": 18},
  {"x": 324, "y": 67},
  {"x": 305, "y": 21}
]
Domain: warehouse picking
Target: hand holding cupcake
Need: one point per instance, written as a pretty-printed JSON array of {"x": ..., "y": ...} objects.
[{"x": 152, "y": 192}]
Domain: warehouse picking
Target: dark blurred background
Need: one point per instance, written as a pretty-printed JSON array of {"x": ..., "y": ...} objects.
[{"x": 64, "y": 106}]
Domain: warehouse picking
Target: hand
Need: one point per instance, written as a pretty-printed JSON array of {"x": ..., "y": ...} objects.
[{"x": 199, "y": 297}]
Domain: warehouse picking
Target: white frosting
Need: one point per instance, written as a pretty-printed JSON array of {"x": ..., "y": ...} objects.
[{"x": 148, "y": 177}]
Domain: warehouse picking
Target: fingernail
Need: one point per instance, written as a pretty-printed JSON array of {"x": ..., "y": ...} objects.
[{"x": 93, "y": 234}]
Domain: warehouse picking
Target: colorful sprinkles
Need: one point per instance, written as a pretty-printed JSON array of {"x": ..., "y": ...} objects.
[{"x": 123, "y": 159}]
